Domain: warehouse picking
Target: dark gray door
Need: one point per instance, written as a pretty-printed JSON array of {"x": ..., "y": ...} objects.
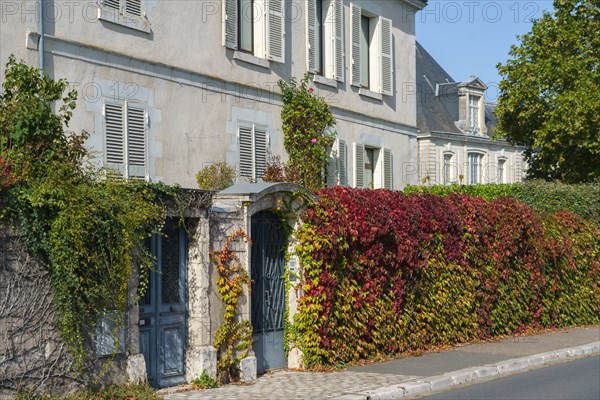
[
  {"x": 162, "y": 309},
  {"x": 268, "y": 292}
]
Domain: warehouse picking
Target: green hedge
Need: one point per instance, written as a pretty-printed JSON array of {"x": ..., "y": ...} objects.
[
  {"x": 386, "y": 273},
  {"x": 549, "y": 197}
]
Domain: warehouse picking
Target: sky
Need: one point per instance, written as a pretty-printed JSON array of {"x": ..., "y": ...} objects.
[{"x": 471, "y": 37}]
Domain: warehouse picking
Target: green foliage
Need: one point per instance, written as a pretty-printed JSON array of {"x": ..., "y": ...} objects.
[
  {"x": 386, "y": 273},
  {"x": 234, "y": 337},
  {"x": 217, "y": 176},
  {"x": 87, "y": 231},
  {"x": 550, "y": 93},
  {"x": 550, "y": 197},
  {"x": 205, "y": 381},
  {"x": 488, "y": 191},
  {"x": 307, "y": 132},
  {"x": 113, "y": 392}
]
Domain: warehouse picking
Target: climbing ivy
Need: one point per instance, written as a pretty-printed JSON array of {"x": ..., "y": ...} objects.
[
  {"x": 234, "y": 337},
  {"x": 86, "y": 229},
  {"x": 307, "y": 132}
]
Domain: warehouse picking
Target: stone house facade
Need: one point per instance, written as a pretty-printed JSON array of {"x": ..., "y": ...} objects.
[{"x": 456, "y": 126}]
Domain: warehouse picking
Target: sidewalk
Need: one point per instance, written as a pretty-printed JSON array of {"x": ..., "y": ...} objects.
[{"x": 412, "y": 376}]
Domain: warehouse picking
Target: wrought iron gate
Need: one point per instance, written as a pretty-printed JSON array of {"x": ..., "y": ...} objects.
[
  {"x": 268, "y": 291},
  {"x": 162, "y": 309}
]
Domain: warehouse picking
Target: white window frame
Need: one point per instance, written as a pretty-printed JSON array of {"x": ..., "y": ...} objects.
[
  {"x": 475, "y": 107},
  {"x": 448, "y": 169},
  {"x": 268, "y": 28},
  {"x": 256, "y": 167},
  {"x": 381, "y": 51},
  {"x": 475, "y": 167},
  {"x": 127, "y": 168},
  {"x": 332, "y": 38},
  {"x": 501, "y": 170}
]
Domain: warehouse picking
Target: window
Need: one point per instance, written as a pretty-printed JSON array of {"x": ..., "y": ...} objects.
[
  {"x": 447, "y": 173},
  {"x": 475, "y": 168},
  {"x": 372, "y": 52},
  {"x": 338, "y": 165},
  {"x": 125, "y": 139},
  {"x": 372, "y": 167},
  {"x": 474, "y": 114},
  {"x": 127, "y": 13},
  {"x": 325, "y": 49},
  {"x": 501, "y": 173},
  {"x": 253, "y": 151},
  {"x": 245, "y": 28}
]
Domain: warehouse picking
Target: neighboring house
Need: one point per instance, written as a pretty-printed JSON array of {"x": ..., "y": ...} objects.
[
  {"x": 455, "y": 128},
  {"x": 166, "y": 87}
]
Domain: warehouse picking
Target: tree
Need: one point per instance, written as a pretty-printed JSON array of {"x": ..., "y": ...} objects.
[{"x": 550, "y": 93}]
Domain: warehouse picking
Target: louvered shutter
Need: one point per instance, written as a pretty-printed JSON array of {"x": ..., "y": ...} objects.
[
  {"x": 246, "y": 164},
  {"x": 355, "y": 55},
  {"x": 113, "y": 136},
  {"x": 114, "y": 4},
  {"x": 359, "y": 165},
  {"x": 386, "y": 56},
  {"x": 260, "y": 152},
  {"x": 230, "y": 23},
  {"x": 387, "y": 169},
  {"x": 276, "y": 30},
  {"x": 311, "y": 35},
  {"x": 338, "y": 41},
  {"x": 342, "y": 163},
  {"x": 136, "y": 142},
  {"x": 331, "y": 172},
  {"x": 134, "y": 7}
]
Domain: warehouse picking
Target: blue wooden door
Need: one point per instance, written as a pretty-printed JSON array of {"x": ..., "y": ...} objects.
[
  {"x": 268, "y": 291},
  {"x": 162, "y": 309}
]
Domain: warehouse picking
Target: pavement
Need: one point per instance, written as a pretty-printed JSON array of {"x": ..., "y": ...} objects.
[{"x": 412, "y": 376}]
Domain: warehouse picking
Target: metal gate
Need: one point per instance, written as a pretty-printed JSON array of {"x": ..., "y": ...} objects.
[
  {"x": 268, "y": 292},
  {"x": 162, "y": 309}
]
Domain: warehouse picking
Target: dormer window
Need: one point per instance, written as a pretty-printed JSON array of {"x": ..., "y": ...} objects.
[{"x": 474, "y": 120}]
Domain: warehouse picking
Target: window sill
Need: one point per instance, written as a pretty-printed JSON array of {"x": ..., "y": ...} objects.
[
  {"x": 127, "y": 20},
  {"x": 321, "y": 80},
  {"x": 370, "y": 94},
  {"x": 251, "y": 59}
]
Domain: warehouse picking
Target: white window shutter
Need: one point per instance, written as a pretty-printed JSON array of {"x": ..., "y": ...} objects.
[
  {"x": 359, "y": 165},
  {"x": 276, "y": 30},
  {"x": 342, "y": 163},
  {"x": 246, "y": 153},
  {"x": 260, "y": 152},
  {"x": 386, "y": 56},
  {"x": 355, "y": 54},
  {"x": 311, "y": 34},
  {"x": 338, "y": 14},
  {"x": 230, "y": 23},
  {"x": 387, "y": 169},
  {"x": 134, "y": 7},
  {"x": 113, "y": 136},
  {"x": 136, "y": 142}
]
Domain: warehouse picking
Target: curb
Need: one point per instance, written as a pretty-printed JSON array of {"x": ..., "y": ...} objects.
[{"x": 420, "y": 386}]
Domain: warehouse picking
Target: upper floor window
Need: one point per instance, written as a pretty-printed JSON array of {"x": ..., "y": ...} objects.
[
  {"x": 133, "y": 7},
  {"x": 125, "y": 137},
  {"x": 325, "y": 49},
  {"x": 474, "y": 120},
  {"x": 475, "y": 168},
  {"x": 256, "y": 27},
  {"x": 372, "y": 52}
]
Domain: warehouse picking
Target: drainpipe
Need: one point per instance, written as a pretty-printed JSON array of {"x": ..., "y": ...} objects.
[{"x": 41, "y": 29}]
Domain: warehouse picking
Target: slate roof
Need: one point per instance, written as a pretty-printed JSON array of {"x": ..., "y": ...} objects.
[{"x": 440, "y": 113}]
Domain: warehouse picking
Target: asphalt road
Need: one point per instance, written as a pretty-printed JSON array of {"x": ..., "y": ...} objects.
[{"x": 577, "y": 380}]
